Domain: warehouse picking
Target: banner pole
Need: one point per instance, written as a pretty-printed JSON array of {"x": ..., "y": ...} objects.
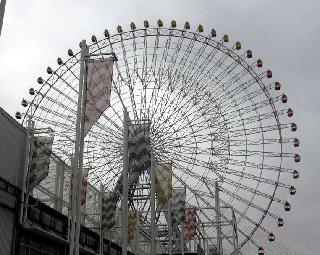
[
  {"x": 170, "y": 227},
  {"x": 218, "y": 219},
  {"x": 100, "y": 226},
  {"x": 75, "y": 230},
  {"x": 25, "y": 172},
  {"x": 125, "y": 183},
  {"x": 153, "y": 210},
  {"x": 182, "y": 237},
  {"x": 2, "y": 10},
  {"x": 80, "y": 168}
]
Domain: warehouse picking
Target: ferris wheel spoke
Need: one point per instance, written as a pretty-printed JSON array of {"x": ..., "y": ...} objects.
[
  {"x": 232, "y": 123},
  {"x": 75, "y": 78},
  {"x": 174, "y": 57},
  {"x": 54, "y": 123},
  {"x": 244, "y": 187},
  {"x": 129, "y": 80},
  {"x": 249, "y": 95},
  {"x": 253, "y": 191},
  {"x": 191, "y": 130},
  {"x": 248, "y": 176},
  {"x": 164, "y": 58},
  {"x": 106, "y": 141},
  {"x": 227, "y": 71},
  {"x": 52, "y": 101},
  {"x": 142, "y": 78},
  {"x": 196, "y": 60},
  {"x": 181, "y": 118},
  {"x": 130, "y": 83},
  {"x": 181, "y": 66},
  {"x": 198, "y": 74},
  {"x": 235, "y": 81},
  {"x": 60, "y": 115},
  {"x": 145, "y": 56},
  {"x": 254, "y": 165},
  {"x": 252, "y": 205},
  {"x": 158, "y": 82}
]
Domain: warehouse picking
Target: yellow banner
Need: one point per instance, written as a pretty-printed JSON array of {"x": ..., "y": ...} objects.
[{"x": 163, "y": 174}]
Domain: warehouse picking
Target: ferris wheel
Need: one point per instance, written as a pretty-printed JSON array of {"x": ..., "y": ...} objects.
[{"x": 215, "y": 113}]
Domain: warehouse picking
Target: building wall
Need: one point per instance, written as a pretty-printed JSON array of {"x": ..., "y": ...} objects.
[
  {"x": 9, "y": 201},
  {"x": 12, "y": 149},
  {"x": 12, "y": 155}
]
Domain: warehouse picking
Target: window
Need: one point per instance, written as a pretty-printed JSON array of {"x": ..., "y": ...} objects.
[
  {"x": 34, "y": 214},
  {"x": 46, "y": 219},
  {"x": 58, "y": 225},
  {"x": 90, "y": 241}
]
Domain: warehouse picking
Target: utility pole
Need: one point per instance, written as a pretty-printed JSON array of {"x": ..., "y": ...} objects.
[
  {"x": 153, "y": 205},
  {"x": 125, "y": 183},
  {"x": 218, "y": 218},
  {"x": 2, "y": 10}
]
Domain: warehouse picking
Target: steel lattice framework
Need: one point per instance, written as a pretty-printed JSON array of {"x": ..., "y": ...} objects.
[{"x": 215, "y": 112}]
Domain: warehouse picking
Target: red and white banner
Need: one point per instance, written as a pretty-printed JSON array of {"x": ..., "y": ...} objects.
[
  {"x": 98, "y": 81},
  {"x": 190, "y": 225},
  {"x": 84, "y": 186}
]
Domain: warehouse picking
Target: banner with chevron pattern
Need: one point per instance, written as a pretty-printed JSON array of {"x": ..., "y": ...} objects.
[
  {"x": 40, "y": 160},
  {"x": 139, "y": 154},
  {"x": 178, "y": 204},
  {"x": 139, "y": 150},
  {"x": 108, "y": 212}
]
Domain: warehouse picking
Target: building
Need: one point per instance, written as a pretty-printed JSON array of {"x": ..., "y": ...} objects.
[{"x": 45, "y": 231}]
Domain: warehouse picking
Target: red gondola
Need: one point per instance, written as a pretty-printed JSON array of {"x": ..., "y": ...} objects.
[
  {"x": 269, "y": 74},
  {"x": 292, "y": 190},
  {"x": 261, "y": 251},
  {"x": 297, "y": 158},
  {"x": 290, "y": 112},
  {"x": 271, "y": 237},
  {"x": 284, "y": 98},
  {"x": 259, "y": 63},
  {"x": 295, "y": 174},
  {"x": 294, "y": 127},
  {"x": 280, "y": 222},
  {"x": 238, "y": 45},
  {"x": 287, "y": 206}
]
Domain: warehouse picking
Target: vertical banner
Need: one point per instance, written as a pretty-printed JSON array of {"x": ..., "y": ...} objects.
[
  {"x": 190, "y": 226},
  {"x": 139, "y": 151},
  {"x": 108, "y": 212},
  {"x": 40, "y": 160},
  {"x": 132, "y": 225},
  {"x": 163, "y": 183},
  {"x": 178, "y": 204},
  {"x": 98, "y": 80},
  {"x": 84, "y": 187}
]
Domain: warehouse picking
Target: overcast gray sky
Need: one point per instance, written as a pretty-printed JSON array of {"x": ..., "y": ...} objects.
[{"x": 285, "y": 34}]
